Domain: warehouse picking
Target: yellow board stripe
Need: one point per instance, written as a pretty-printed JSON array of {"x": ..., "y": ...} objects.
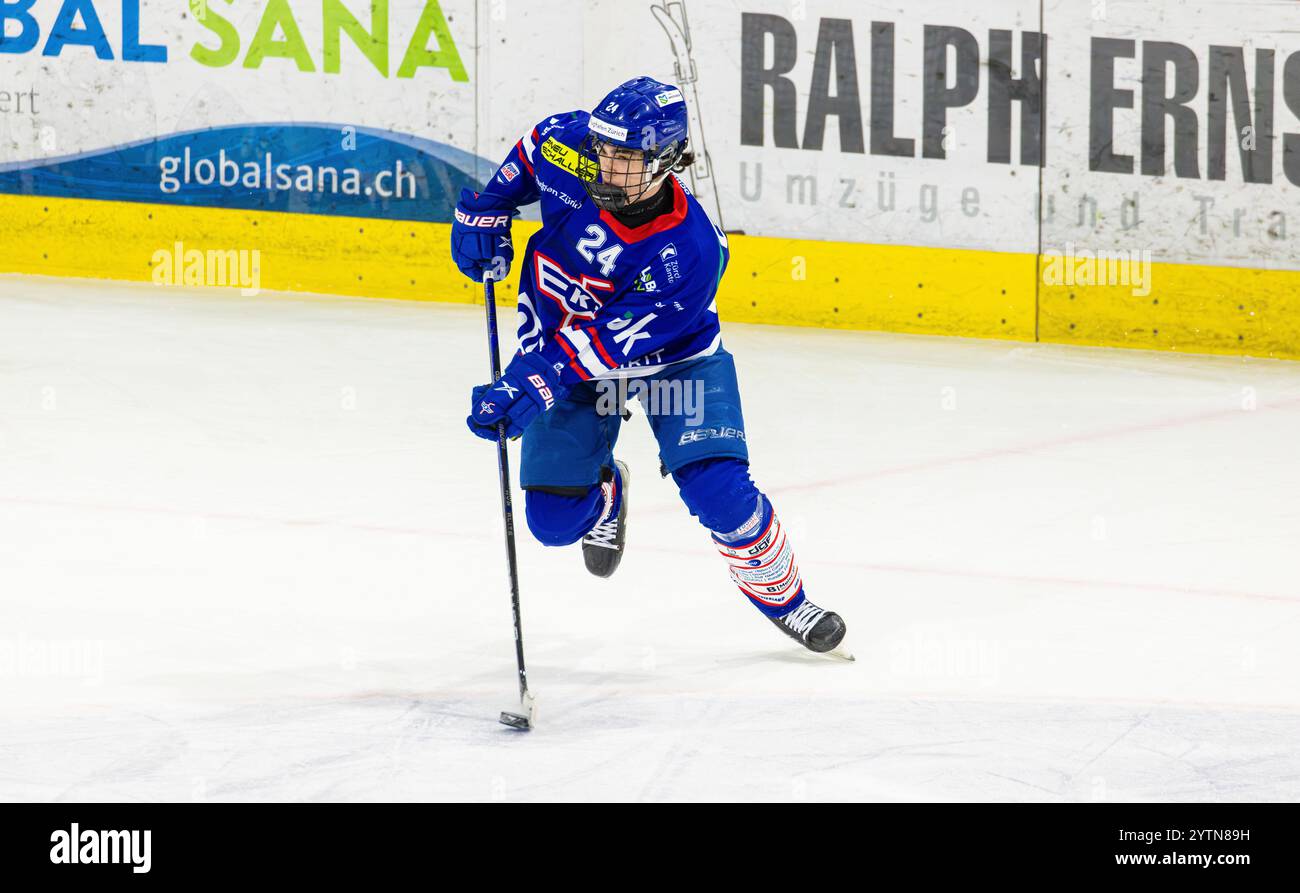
[
  {"x": 845, "y": 285},
  {"x": 1192, "y": 308},
  {"x": 894, "y": 288},
  {"x": 299, "y": 252}
]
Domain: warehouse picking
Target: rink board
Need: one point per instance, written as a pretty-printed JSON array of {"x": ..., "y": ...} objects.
[
  {"x": 1192, "y": 308},
  {"x": 897, "y": 169},
  {"x": 944, "y": 291},
  {"x": 782, "y": 281}
]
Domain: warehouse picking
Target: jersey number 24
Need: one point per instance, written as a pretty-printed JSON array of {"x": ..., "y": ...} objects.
[{"x": 590, "y": 249}]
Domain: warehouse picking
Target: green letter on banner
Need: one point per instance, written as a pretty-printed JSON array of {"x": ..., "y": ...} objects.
[
  {"x": 418, "y": 53},
  {"x": 264, "y": 43},
  {"x": 208, "y": 18},
  {"x": 373, "y": 43}
]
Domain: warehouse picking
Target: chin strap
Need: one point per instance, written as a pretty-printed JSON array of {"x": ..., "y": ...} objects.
[{"x": 638, "y": 209}]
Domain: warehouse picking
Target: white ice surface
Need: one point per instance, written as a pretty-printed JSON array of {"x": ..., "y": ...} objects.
[{"x": 249, "y": 551}]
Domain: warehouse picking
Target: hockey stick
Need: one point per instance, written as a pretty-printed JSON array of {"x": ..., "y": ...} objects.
[{"x": 528, "y": 709}]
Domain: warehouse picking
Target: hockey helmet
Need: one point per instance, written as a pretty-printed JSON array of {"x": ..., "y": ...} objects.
[{"x": 638, "y": 135}]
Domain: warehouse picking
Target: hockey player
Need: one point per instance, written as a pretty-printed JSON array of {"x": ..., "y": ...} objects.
[{"x": 620, "y": 282}]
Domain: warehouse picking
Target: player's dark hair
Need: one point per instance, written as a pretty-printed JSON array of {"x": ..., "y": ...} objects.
[{"x": 685, "y": 160}]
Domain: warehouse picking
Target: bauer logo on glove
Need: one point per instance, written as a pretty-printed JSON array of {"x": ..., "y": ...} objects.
[
  {"x": 542, "y": 390},
  {"x": 480, "y": 235},
  {"x": 485, "y": 220},
  {"x": 528, "y": 388}
]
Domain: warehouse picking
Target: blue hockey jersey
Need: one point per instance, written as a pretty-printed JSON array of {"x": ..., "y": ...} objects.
[{"x": 597, "y": 298}]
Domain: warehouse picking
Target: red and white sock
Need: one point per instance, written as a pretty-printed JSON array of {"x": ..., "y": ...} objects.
[{"x": 762, "y": 563}]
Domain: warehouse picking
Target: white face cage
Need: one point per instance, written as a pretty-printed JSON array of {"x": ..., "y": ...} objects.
[{"x": 657, "y": 164}]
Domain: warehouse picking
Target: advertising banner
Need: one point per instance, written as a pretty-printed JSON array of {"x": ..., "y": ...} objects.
[{"x": 1097, "y": 171}]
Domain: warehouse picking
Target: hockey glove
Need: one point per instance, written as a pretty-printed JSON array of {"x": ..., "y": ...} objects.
[
  {"x": 480, "y": 236},
  {"x": 527, "y": 388}
]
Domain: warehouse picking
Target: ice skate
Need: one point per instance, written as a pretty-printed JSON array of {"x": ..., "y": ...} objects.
[
  {"x": 602, "y": 547},
  {"x": 815, "y": 628}
]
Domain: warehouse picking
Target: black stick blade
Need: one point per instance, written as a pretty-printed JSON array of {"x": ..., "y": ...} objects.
[
  {"x": 523, "y": 720},
  {"x": 516, "y": 721}
]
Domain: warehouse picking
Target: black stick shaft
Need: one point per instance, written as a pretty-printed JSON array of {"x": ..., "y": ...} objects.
[{"x": 507, "y": 504}]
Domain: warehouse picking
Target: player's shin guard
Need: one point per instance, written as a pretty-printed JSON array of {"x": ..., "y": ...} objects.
[{"x": 762, "y": 562}]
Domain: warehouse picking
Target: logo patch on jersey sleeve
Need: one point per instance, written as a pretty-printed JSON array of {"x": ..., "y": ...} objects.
[
  {"x": 510, "y": 171},
  {"x": 569, "y": 159}
]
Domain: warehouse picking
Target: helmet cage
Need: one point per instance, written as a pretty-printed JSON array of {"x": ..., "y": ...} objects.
[{"x": 657, "y": 163}]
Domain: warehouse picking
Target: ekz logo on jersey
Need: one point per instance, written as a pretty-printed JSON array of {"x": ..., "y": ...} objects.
[{"x": 576, "y": 296}]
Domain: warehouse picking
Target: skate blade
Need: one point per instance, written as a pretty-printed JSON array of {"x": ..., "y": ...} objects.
[
  {"x": 840, "y": 652},
  {"x": 524, "y": 719}
]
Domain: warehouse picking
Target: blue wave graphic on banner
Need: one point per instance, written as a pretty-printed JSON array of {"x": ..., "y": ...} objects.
[{"x": 297, "y": 168}]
